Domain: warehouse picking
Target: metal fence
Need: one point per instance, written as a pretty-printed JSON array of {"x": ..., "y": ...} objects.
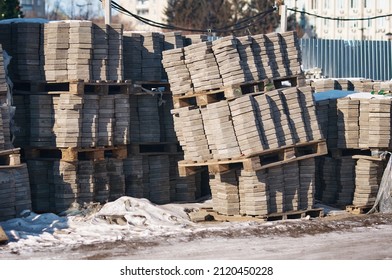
[{"x": 347, "y": 59}]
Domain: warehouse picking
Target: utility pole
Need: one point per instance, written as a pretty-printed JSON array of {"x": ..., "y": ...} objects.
[
  {"x": 107, "y": 6},
  {"x": 283, "y": 18}
]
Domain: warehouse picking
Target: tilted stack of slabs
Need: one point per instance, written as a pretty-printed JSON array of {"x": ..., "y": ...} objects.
[
  {"x": 253, "y": 192},
  {"x": 307, "y": 181},
  {"x": 177, "y": 71},
  {"x": 65, "y": 184},
  {"x": 203, "y": 67},
  {"x": 219, "y": 130},
  {"x": 248, "y": 58},
  {"x": 231, "y": 67}
]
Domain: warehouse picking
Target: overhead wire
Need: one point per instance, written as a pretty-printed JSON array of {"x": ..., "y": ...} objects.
[
  {"x": 242, "y": 24},
  {"x": 337, "y": 18}
]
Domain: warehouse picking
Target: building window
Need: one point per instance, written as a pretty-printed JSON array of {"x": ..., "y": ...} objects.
[
  {"x": 340, "y": 4},
  {"x": 326, "y": 4},
  {"x": 354, "y": 4},
  {"x": 142, "y": 12},
  {"x": 340, "y": 23},
  {"x": 368, "y": 3},
  {"x": 314, "y": 5},
  {"x": 142, "y": 2},
  {"x": 381, "y": 22}
]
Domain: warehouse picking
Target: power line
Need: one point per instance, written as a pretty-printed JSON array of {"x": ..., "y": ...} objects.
[{"x": 338, "y": 19}]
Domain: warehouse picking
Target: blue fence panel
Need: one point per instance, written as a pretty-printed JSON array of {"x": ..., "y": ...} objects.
[{"x": 348, "y": 58}]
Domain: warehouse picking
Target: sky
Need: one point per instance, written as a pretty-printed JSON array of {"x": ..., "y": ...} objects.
[{"x": 77, "y": 7}]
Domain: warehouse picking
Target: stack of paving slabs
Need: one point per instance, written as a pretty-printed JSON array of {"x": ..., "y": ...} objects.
[
  {"x": 282, "y": 130},
  {"x": 253, "y": 192},
  {"x": 225, "y": 195},
  {"x": 261, "y": 51},
  {"x": 41, "y": 121},
  {"x": 177, "y": 71},
  {"x": 2, "y": 146},
  {"x": 346, "y": 178},
  {"x": 368, "y": 176},
  {"x": 219, "y": 130},
  {"x": 122, "y": 116},
  {"x": 321, "y": 85},
  {"x": 247, "y": 129},
  {"x": 106, "y": 120},
  {"x": 115, "y": 169},
  {"x": 68, "y": 122},
  {"x": 134, "y": 124},
  {"x": 195, "y": 38},
  {"x": 204, "y": 70},
  {"x": 5, "y": 111},
  {"x": 42, "y": 185},
  {"x": 3, "y": 82},
  {"x": 100, "y": 53},
  {"x": 152, "y": 43},
  {"x": 26, "y": 51},
  {"x": 364, "y": 128},
  {"x": 85, "y": 179},
  {"x": 159, "y": 181},
  {"x": 65, "y": 183},
  {"x": 344, "y": 84},
  {"x": 168, "y": 133},
  {"x": 266, "y": 121},
  {"x": 291, "y": 186},
  {"x": 307, "y": 181},
  {"x": 329, "y": 181},
  {"x": 312, "y": 126},
  {"x": 133, "y": 173},
  {"x": 149, "y": 122},
  {"x": 80, "y": 50},
  {"x": 132, "y": 56},
  {"x": 348, "y": 124},
  {"x": 231, "y": 68},
  {"x": 90, "y": 123},
  {"x": 244, "y": 47},
  {"x": 54, "y": 53},
  {"x": 380, "y": 123},
  {"x": 186, "y": 188},
  {"x": 101, "y": 179},
  {"x": 322, "y": 109},
  {"x": 115, "y": 66},
  {"x": 295, "y": 114},
  {"x": 332, "y": 139},
  {"x": 276, "y": 187},
  {"x": 14, "y": 192},
  {"x": 189, "y": 127},
  {"x": 173, "y": 40}
]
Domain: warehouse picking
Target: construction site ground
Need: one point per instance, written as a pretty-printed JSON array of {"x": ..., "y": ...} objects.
[{"x": 141, "y": 230}]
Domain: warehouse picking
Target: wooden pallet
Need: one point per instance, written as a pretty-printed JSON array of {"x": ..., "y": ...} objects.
[
  {"x": 207, "y": 214},
  {"x": 79, "y": 87},
  {"x": 229, "y": 92},
  {"x": 290, "y": 215},
  {"x": 150, "y": 148},
  {"x": 148, "y": 87},
  {"x": 10, "y": 158},
  {"x": 262, "y": 160},
  {"x": 356, "y": 210},
  {"x": 75, "y": 154}
]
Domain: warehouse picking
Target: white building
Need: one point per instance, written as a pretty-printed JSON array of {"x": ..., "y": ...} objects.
[
  {"x": 33, "y": 8},
  {"x": 151, "y": 9},
  {"x": 376, "y": 29}
]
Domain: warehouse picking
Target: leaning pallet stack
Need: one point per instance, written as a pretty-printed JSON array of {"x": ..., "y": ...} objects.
[
  {"x": 248, "y": 132},
  {"x": 358, "y": 130},
  {"x": 14, "y": 177}
]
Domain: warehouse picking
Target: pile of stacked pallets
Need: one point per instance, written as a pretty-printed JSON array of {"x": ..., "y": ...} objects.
[
  {"x": 357, "y": 126},
  {"x": 257, "y": 136},
  {"x": 14, "y": 178}
]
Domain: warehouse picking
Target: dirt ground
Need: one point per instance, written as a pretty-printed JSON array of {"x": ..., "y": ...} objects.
[{"x": 347, "y": 236}]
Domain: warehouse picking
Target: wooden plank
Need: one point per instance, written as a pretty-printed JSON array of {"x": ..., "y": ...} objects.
[{"x": 357, "y": 210}]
